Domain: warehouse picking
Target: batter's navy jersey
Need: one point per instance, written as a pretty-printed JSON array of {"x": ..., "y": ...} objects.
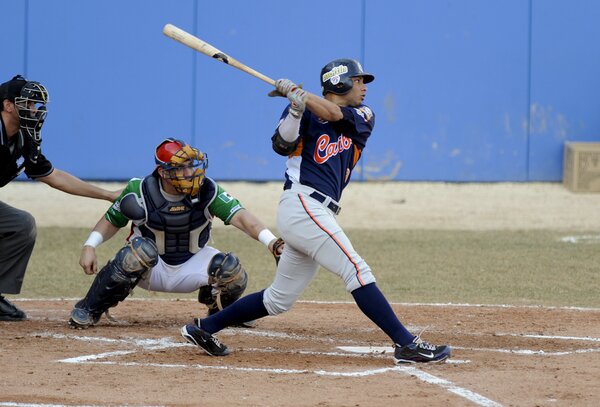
[{"x": 328, "y": 151}]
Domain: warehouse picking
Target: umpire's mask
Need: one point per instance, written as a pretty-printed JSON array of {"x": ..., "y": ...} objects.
[{"x": 31, "y": 105}]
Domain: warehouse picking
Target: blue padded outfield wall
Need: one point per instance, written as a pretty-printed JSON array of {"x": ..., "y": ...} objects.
[{"x": 465, "y": 90}]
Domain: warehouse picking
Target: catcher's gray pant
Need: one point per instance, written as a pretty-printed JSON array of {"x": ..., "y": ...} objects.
[
  {"x": 17, "y": 238},
  {"x": 312, "y": 238}
]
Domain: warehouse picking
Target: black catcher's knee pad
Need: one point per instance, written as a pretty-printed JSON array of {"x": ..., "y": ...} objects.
[
  {"x": 227, "y": 279},
  {"x": 115, "y": 281}
]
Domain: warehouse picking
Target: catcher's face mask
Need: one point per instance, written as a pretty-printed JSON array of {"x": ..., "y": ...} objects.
[{"x": 184, "y": 166}]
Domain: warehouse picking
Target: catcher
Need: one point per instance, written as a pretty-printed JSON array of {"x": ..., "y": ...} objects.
[{"x": 171, "y": 212}]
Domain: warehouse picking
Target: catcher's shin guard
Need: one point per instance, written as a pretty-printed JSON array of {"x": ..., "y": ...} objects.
[
  {"x": 115, "y": 281},
  {"x": 228, "y": 280}
]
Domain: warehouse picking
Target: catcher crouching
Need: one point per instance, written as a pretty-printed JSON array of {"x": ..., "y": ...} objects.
[{"x": 171, "y": 213}]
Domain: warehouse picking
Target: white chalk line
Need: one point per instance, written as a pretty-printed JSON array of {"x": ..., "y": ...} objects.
[
  {"x": 145, "y": 343},
  {"x": 373, "y": 350},
  {"x": 163, "y": 343},
  {"x": 587, "y": 239},
  {"x": 360, "y": 373},
  {"x": 529, "y": 352},
  {"x": 345, "y": 354},
  {"x": 407, "y": 370},
  {"x": 476, "y": 398},
  {"x": 451, "y": 387},
  {"x": 411, "y": 371},
  {"x": 151, "y": 344},
  {"x": 565, "y": 338},
  {"x": 378, "y": 352},
  {"x": 404, "y": 304},
  {"x": 282, "y": 335},
  {"x": 168, "y": 342}
]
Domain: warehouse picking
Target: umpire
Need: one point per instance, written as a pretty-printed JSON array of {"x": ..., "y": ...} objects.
[{"x": 22, "y": 114}]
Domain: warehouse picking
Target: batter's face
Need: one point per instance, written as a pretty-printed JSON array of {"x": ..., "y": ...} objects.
[{"x": 357, "y": 94}]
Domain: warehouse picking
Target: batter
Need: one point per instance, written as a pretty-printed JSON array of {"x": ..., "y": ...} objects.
[{"x": 323, "y": 139}]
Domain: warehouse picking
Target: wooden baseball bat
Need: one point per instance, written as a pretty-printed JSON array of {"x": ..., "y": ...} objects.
[{"x": 204, "y": 47}]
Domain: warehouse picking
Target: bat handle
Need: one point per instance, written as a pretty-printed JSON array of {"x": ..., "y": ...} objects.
[{"x": 265, "y": 78}]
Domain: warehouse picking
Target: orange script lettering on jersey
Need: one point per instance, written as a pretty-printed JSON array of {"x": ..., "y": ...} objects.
[{"x": 325, "y": 150}]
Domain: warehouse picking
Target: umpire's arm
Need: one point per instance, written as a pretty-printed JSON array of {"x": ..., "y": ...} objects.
[{"x": 70, "y": 184}]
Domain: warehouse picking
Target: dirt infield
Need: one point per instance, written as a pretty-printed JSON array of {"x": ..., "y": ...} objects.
[
  {"x": 311, "y": 356},
  {"x": 502, "y": 356}
]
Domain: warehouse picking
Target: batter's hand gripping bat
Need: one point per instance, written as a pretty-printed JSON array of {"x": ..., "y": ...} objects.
[{"x": 204, "y": 47}]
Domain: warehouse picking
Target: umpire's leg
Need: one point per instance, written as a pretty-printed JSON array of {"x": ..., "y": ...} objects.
[{"x": 17, "y": 238}]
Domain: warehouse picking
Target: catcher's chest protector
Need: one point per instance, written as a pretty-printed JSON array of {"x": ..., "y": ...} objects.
[{"x": 179, "y": 228}]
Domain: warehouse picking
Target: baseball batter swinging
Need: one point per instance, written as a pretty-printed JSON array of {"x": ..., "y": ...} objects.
[{"x": 323, "y": 139}]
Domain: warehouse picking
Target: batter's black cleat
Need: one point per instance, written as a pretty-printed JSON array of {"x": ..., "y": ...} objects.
[
  {"x": 421, "y": 352},
  {"x": 9, "y": 312},
  {"x": 207, "y": 342}
]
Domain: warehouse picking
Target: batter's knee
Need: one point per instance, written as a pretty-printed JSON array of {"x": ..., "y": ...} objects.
[
  {"x": 275, "y": 302},
  {"x": 356, "y": 279}
]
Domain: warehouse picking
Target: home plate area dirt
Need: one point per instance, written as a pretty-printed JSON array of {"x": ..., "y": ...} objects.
[{"x": 318, "y": 354}]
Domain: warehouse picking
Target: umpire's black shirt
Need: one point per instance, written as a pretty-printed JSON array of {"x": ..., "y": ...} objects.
[{"x": 14, "y": 157}]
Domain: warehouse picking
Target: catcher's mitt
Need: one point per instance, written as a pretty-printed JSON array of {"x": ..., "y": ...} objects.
[{"x": 277, "y": 249}]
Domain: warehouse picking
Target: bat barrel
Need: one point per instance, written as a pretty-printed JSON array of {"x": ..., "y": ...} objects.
[{"x": 204, "y": 47}]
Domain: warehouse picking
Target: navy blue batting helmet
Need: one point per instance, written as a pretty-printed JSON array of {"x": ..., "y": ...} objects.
[{"x": 336, "y": 76}]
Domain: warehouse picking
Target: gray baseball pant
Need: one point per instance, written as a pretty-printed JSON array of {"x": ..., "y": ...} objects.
[{"x": 17, "y": 238}]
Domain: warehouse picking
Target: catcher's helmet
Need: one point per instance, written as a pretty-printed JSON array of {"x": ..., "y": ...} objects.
[
  {"x": 336, "y": 76},
  {"x": 184, "y": 166}
]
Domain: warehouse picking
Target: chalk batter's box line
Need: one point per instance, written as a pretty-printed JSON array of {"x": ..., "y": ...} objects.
[
  {"x": 167, "y": 342},
  {"x": 404, "y": 304},
  {"x": 406, "y": 370},
  {"x": 476, "y": 398},
  {"x": 162, "y": 343}
]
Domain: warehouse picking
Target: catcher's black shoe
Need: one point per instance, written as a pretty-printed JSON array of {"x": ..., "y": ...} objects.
[
  {"x": 82, "y": 319},
  {"x": 207, "y": 342},
  {"x": 9, "y": 312},
  {"x": 421, "y": 352}
]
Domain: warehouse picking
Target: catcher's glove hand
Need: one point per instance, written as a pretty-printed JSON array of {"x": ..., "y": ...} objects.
[{"x": 277, "y": 248}]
